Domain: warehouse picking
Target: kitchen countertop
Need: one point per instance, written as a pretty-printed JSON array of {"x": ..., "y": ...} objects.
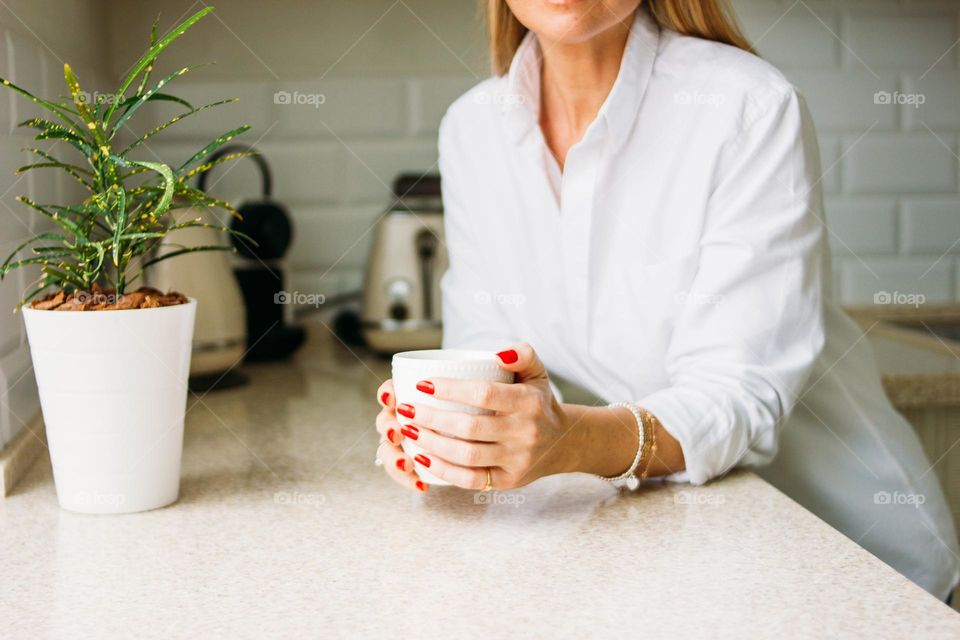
[{"x": 285, "y": 528}]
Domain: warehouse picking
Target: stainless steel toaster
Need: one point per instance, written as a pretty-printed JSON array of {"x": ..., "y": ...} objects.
[{"x": 401, "y": 293}]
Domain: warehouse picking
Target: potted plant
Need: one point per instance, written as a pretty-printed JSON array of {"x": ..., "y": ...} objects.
[{"x": 112, "y": 363}]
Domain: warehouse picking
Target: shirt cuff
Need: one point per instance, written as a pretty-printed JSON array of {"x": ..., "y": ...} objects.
[{"x": 683, "y": 413}]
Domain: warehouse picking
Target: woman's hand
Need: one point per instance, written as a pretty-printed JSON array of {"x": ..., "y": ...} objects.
[
  {"x": 518, "y": 444},
  {"x": 396, "y": 463},
  {"x": 529, "y": 436}
]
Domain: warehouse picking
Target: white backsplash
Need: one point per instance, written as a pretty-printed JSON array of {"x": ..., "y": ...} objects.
[{"x": 891, "y": 172}]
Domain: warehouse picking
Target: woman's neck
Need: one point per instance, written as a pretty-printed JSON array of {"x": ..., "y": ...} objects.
[{"x": 575, "y": 80}]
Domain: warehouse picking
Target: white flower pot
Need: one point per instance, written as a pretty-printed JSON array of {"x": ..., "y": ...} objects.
[{"x": 113, "y": 390}]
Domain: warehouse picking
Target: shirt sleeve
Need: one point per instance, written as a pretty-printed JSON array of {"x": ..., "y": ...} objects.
[
  {"x": 751, "y": 328},
  {"x": 471, "y": 317}
]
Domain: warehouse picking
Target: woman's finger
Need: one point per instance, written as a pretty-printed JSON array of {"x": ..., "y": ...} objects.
[
  {"x": 523, "y": 361},
  {"x": 388, "y": 427},
  {"x": 386, "y": 396},
  {"x": 459, "y": 452},
  {"x": 456, "y": 424},
  {"x": 493, "y": 396},
  {"x": 463, "y": 477},
  {"x": 400, "y": 467}
]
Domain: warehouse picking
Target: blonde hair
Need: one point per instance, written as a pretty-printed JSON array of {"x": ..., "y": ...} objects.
[{"x": 708, "y": 19}]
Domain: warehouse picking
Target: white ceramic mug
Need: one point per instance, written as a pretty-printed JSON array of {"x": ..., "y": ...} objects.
[{"x": 410, "y": 367}]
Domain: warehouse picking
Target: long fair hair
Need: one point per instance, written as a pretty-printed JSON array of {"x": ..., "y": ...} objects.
[{"x": 708, "y": 19}]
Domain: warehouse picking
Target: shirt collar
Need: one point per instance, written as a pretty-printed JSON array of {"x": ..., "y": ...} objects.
[{"x": 519, "y": 100}]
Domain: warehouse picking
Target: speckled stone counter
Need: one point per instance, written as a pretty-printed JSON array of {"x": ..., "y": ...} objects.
[{"x": 285, "y": 528}]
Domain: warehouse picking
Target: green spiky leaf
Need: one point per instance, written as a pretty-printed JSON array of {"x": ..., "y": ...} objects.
[
  {"x": 151, "y": 55},
  {"x": 125, "y": 216}
]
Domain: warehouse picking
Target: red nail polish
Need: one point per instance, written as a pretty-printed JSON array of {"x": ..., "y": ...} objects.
[
  {"x": 406, "y": 411},
  {"x": 422, "y": 459},
  {"x": 385, "y": 398},
  {"x": 401, "y": 464},
  {"x": 421, "y": 486},
  {"x": 426, "y": 387},
  {"x": 390, "y": 433},
  {"x": 508, "y": 357},
  {"x": 411, "y": 432}
]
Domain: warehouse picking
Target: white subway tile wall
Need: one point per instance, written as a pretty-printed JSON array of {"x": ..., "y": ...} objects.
[
  {"x": 16, "y": 384},
  {"x": 882, "y": 78},
  {"x": 25, "y": 60},
  {"x": 334, "y": 147},
  {"x": 21, "y": 59}
]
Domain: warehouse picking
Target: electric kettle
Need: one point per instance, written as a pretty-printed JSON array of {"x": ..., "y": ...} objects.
[
  {"x": 266, "y": 235},
  {"x": 220, "y": 334},
  {"x": 401, "y": 292}
]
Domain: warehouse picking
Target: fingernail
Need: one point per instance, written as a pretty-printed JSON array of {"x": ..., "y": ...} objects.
[
  {"x": 422, "y": 459},
  {"x": 421, "y": 486},
  {"x": 401, "y": 464},
  {"x": 385, "y": 398},
  {"x": 411, "y": 432},
  {"x": 390, "y": 434},
  {"x": 508, "y": 357},
  {"x": 406, "y": 410},
  {"x": 426, "y": 387}
]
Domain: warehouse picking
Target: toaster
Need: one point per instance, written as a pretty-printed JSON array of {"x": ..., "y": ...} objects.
[{"x": 401, "y": 293}]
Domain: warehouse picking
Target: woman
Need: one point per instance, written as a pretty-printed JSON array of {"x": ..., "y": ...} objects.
[{"x": 638, "y": 196}]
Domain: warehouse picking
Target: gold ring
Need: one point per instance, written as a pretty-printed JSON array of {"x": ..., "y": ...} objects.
[{"x": 489, "y": 485}]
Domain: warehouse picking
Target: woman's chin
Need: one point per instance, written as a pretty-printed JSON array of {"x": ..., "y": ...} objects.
[
  {"x": 570, "y": 22},
  {"x": 566, "y": 28},
  {"x": 569, "y": 4}
]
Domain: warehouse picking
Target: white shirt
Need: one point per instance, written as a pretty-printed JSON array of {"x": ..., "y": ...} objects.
[{"x": 680, "y": 263}]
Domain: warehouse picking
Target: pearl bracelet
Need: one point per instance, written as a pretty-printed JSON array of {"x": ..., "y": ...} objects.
[{"x": 629, "y": 478}]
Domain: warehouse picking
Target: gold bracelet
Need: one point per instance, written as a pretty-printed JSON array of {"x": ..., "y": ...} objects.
[
  {"x": 629, "y": 477},
  {"x": 650, "y": 442}
]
